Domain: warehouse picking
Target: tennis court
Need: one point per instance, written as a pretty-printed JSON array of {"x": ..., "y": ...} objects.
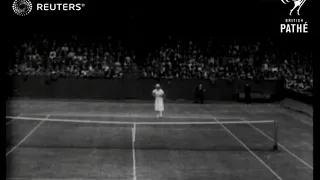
[{"x": 55, "y": 139}]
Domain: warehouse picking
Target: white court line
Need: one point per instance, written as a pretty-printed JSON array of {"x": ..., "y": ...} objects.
[
  {"x": 126, "y": 115},
  {"x": 282, "y": 146},
  {"x": 26, "y": 137},
  {"x": 13, "y": 119},
  {"x": 282, "y": 111},
  {"x": 93, "y": 114},
  {"x": 134, "y": 151},
  {"x": 142, "y": 123},
  {"x": 48, "y": 179},
  {"x": 248, "y": 149}
]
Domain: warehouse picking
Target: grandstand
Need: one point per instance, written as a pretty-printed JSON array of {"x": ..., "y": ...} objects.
[
  {"x": 176, "y": 59},
  {"x": 70, "y": 100},
  {"x": 80, "y": 104}
]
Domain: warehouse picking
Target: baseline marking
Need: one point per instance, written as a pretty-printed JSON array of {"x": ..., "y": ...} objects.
[
  {"x": 13, "y": 119},
  {"x": 26, "y": 137},
  {"x": 282, "y": 111},
  {"x": 248, "y": 149}
]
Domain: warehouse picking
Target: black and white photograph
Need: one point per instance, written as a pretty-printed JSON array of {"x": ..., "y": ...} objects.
[{"x": 106, "y": 90}]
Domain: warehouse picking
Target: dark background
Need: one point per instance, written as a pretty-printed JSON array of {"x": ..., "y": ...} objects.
[
  {"x": 144, "y": 25},
  {"x": 141, "y": 25}
]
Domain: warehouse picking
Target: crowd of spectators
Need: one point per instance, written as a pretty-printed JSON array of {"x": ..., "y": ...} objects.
[
  {"x": 232, "y": 61},
  {"x": 71, "y": 57},
  {"x": 299, "y": 77},
  {"x": 173, "y": 60}
]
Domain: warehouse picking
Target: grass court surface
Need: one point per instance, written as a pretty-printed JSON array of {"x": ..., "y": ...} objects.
[{"x": 55, "y": 139}]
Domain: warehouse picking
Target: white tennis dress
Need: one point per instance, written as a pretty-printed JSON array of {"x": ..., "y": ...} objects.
[{"x": 158, "y": 104}]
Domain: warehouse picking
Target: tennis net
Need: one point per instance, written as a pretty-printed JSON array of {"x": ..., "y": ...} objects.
[{"x": 208, "y": 135}]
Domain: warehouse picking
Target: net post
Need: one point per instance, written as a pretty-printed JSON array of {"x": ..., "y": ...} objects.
[{"x": 275, "y": 141}]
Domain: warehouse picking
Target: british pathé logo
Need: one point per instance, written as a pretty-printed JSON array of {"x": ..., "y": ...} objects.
[
  {"x": 297, "y": 4},
  {"x": 294, "y": 25}
]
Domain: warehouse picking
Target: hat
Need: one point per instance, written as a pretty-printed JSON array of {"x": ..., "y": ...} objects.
[{"x": 157, "y": 85}]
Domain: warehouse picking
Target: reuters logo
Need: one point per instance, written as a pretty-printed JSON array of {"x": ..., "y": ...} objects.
[{"x": 22, "y": 7}]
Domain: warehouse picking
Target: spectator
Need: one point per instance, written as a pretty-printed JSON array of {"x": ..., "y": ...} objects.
[
  {"x": 81, "y": 58},
  {"x": 247, "y": 92},
  {"x": 199, "y": 94}
]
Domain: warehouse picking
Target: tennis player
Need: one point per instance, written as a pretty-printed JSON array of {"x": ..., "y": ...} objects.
[{"x": 158, "y": 93}]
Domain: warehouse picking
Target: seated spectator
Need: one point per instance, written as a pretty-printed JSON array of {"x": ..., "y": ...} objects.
[{"x": 191, "y": 60}]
